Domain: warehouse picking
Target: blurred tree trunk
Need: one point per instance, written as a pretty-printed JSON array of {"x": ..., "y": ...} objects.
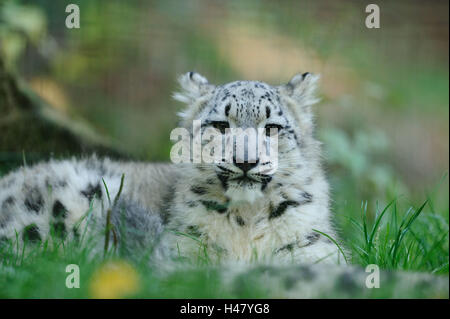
[{"x": 30, "y": 126}]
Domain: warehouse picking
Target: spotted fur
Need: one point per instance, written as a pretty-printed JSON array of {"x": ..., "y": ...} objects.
[
  {"x": 233, "y": 209},
  {"x": 275, "y": 216}
]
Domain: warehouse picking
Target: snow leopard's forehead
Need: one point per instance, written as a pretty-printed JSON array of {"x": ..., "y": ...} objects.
[{"x": 246, "y": 102}]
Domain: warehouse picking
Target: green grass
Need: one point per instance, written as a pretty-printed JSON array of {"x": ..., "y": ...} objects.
[{"x": 415, "y": 239}]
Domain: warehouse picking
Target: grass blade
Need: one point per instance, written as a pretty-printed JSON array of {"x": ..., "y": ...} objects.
[{"x": 334, "y": 241}]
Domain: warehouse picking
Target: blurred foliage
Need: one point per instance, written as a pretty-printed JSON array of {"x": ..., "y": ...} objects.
[
  {"x": 354, "y": 158},
  {"x": 16, "y": 32}
]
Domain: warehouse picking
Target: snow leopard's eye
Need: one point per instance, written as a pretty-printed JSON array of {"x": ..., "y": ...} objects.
[
  {"x": 268, "y": 128},
  {"x": 220, "y": 125}
]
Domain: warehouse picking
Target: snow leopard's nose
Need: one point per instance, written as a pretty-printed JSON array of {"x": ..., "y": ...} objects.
[
  {"x": 245, "y": 150},
  {"x": 245, "y": 166}
]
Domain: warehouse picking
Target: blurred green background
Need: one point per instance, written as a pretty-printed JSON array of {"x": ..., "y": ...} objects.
[{"x": 384, "y": 111}]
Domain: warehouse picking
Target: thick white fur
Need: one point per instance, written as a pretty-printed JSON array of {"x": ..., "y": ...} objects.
[{"x": 260, "y": 237}]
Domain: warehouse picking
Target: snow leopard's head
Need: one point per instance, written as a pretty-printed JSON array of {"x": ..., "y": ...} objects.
[{"x": 281, "y": 112}]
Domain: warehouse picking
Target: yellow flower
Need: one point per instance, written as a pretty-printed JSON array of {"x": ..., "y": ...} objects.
[{"x": 112, "y": 280}]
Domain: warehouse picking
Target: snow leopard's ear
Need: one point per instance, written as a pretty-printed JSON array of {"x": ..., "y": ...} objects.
[
  {"x": 298, "y": 95},
  {"x": 195, "y": 91},
  {"x": 301, "y": 89}
]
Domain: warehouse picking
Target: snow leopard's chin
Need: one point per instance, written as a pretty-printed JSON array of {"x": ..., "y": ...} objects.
[{"x": 244, "y": 193}]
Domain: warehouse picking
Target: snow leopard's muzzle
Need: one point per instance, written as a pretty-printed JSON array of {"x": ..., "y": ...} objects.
[{"x": 252, "y": 163}]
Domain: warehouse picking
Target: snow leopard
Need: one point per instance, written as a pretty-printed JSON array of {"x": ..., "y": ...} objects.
[{"x": 230, "y": 210}]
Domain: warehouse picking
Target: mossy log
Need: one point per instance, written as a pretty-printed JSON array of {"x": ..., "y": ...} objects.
[{"x": 32, "y": 127}]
